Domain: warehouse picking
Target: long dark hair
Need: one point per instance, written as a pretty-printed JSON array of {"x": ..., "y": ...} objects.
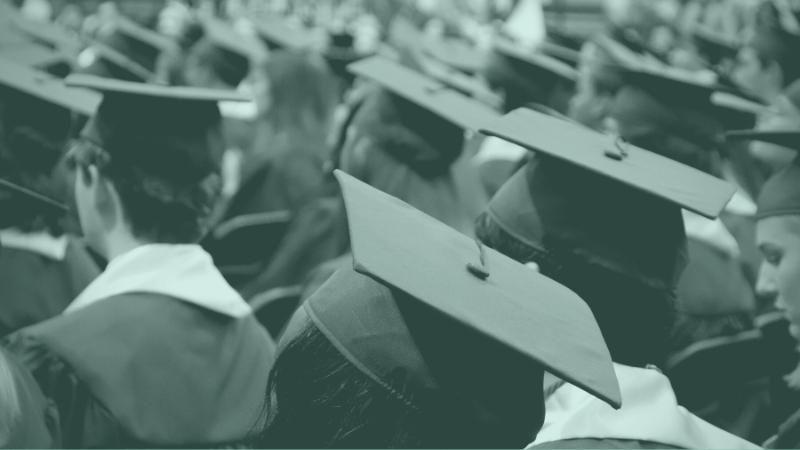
[{"x": 318, "y": 399}]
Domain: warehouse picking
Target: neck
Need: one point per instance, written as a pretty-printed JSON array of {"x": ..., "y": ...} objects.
[{"x": 120, "y": 243}]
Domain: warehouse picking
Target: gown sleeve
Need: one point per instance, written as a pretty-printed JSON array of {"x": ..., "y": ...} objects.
[
  {"x": 28, "y": 419},
  {"x": 84, "y": 421}
]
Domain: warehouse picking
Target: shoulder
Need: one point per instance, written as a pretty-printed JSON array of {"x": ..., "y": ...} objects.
[{"x": 600, "y": 443}]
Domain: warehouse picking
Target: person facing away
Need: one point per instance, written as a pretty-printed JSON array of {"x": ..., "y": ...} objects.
[
  {"x": 591, "y": 224},
  {"x": 158, "y": 350},
  {"x": 407, "y": 347},
  {"x": 42, "y": 267}
]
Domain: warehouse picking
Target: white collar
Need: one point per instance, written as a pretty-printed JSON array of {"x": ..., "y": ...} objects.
[
  {"x": 185, "y": 272},
  {"x": 649, "y": 412},
  {"x": 741, "y": 204},
  {"x": 38, "y": 242},
  {"x": 712, "y": 232},
  {"x": 493, "y": 149}
]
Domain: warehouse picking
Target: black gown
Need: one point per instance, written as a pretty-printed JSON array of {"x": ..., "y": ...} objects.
[
  {"x": 36, "y": 287},
  {"x": 138, "y": 370}
]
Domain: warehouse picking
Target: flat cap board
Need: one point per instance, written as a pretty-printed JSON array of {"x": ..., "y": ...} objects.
[
  {"x": 225, "y": 36},
  {"x": 424, "y": 91},
  {"x": 15, "y": 189},
  {"x": 103, "y": 51},
  {"x": 513, "y": 305},
  {"x": 109, "y": 85},
  {"x": 135, "y": 31},
  {"x": 784, "y": 138},
  {"x": 47, "y": 87},
  {"x": 279, "y": 32},
  {"x": 49, "y": 34},
  {"x": 540, "y": 60},
  {"x": 457, "y": 54},
  {"x": 685, "y": 186},
  {"x": 34, "y": 55}
]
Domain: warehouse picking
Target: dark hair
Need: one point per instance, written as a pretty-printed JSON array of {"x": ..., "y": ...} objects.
[
  {"x": 318, "y": 399},
  {"x": 635, "y": 319},
  {"x": 33, "y": 134},
  {"x": 157, "y": 209}
]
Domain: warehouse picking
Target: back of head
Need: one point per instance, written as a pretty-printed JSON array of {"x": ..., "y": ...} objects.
[
  {"x": 409, "y": 133},
  {"x": 300, "y": 92},
  {"x": 774, "y": 42},
  {"x": 319, "y": 399},
  {"x": 33, "y": 134}
]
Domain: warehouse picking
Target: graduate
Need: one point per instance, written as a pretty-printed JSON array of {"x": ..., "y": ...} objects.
[
  {"x": 407, "y": 139},
  {"x": 521, "y": 77},
  {"x": 158, "y": 350},
  {"x": 767, "y": 63},
  {"x": 604, "y": 218},
  {"x": 386, "y": 355},
  {"x": 42, "y": 267},
  {"x": 778, "y": 238},
  {"x": 124, "y": 50}
]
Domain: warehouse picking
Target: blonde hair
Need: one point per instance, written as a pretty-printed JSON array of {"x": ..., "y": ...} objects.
[{"x": 10, "y": 412}]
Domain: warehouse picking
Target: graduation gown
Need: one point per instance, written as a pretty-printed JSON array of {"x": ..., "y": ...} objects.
[
  {"x": 28, "y": 419},
  {"x": 39, "y": 275},
  {"x": 158, "y": 351},
  {"x": 650, "y": 417}
]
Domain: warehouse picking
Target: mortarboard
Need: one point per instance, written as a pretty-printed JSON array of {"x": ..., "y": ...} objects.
[
  {"x": 784, "y": 138},
  {"x": 427, "y": 304},
  {"x": 172, "y": 133},
  {"x": 529, "y": 76},
  {"x": 694, "y": 108},
  {"x": 138, "y": 44},
  {"x": 611, "y": 202},
  {"x": 780, "y": 195},
  {"x": 456, "y": 54},
  {"x": 10, "y": 189},
  {"x": 425, "y": 92},
  {"x": 54, "y": 62},
  {"x": 713, "y": 46},
  {"x": 228, "y": 52},
  {"x": 49, "y": 34},
  {"x": 45, "y": 87},
  {"x": 776, "y": 33},
  {"x": 278, "y": 34}
]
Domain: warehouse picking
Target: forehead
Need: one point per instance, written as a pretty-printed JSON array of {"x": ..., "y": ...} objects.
[{"x": 778, "y": 230}]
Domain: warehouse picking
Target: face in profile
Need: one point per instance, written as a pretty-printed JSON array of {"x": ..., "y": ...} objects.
[{"x": 778, "y": 238}]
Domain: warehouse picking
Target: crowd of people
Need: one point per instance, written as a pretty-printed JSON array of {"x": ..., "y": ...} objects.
[{"x": 400, "y": 223}]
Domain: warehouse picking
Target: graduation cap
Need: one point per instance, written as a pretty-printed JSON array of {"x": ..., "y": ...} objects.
[
  {"x": 133, "y": 41},
  {"x": 678, "y": 103},
  {"x": 713, "y": 46},
  {"x": 34, "y": 55},
  {"x": 228, "y": 52},
  {"x": 529, "y": 77},
  {"x": 45, "y": 87},
  {"x": 425, "y": 92},
  {"x": 776, "y": 33},
  {"x": 789, "y": 138},
  {"x": 48, "y": 34},
  {"x": 10, "y": 189},
  {"x": 172, "y": 133},
  {"x": 780, "y": 195},
  {"x": 614, "y": 203},
  {"x": 278, "y": 34},
  {"x": 456, "y": 54},
  {"x": 427, "y": 304},
  {"x": 105, "y": 61}
]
